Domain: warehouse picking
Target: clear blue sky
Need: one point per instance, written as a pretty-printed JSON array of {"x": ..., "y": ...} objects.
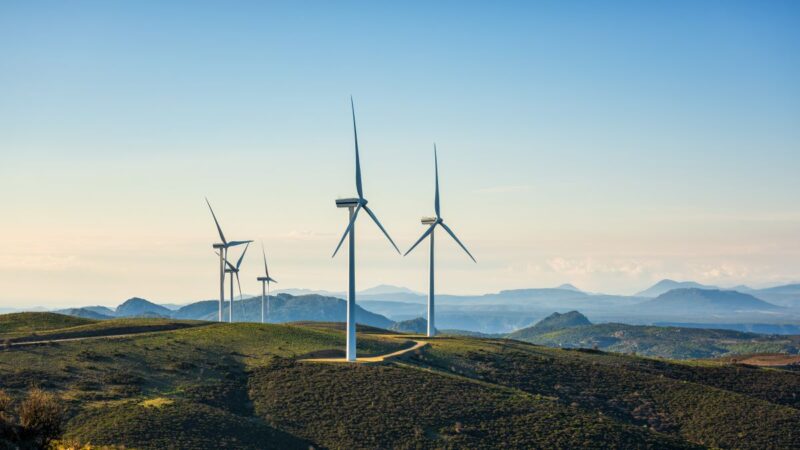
[{"x": 608, "y": 144}]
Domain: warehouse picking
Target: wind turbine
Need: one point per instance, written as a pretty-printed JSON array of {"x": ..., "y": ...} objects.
[
  {"x": 432, "y": 223},
  {"x": 265, "y": 281},
  {"x": 234, "y": 271},
  {"x": 222, "y": 251},
  {"x": 355, "y": 205}
]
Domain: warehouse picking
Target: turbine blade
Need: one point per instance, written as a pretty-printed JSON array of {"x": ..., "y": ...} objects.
[
  {"x": 239, "y": 262},
  {"x": 239, "y": 284},
  {"x": 371, "y": 214},
  {"x": 347, "y": 230},
  {"x": 358, "y": 162},
  {"x": 422, "y": 238},
  {"x": 235, "y": 243},
  {"x": 219, "y": 229},
  {"x": 230, "y": 266},
  {"x": 453, "y": 235},
  {"x": 266, "y": 269},
  {"x": 436, "y": 201}
]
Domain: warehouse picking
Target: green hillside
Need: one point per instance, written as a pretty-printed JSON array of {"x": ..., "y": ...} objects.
[
  {"x": 667, "y": 342},
  {"x": 32, "y": 322},
  {"x": 245, "y": 385},
  {"x": 555, "y": 321}
]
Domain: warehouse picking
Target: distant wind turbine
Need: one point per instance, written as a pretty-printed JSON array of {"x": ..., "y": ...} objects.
[
  {"x": 432, "y": 223},
  {"x": 355, "y": 205},
  {"x": 223, "y": 255},
  {"x": 234, "y": 271},
  {"x": 265, "y": 281}
]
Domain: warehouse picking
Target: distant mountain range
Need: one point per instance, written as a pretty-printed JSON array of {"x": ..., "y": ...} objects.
[
  {"x": 509, "y": 310},
  {"x": 282, "y": 308}
]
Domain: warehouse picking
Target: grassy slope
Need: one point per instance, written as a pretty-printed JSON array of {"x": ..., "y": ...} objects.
[
  {"x": 167, "y": 389},
  {"x": 404, "y": 407},
  {"x": 101, "y": 328},
  {"x": 702, "y": 404},
  {"x": 669, "y": 342},
  {"x": 27, "y": 322}
]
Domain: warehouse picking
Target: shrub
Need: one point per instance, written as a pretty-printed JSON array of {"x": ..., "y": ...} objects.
[{"x": 41, "y": 416}]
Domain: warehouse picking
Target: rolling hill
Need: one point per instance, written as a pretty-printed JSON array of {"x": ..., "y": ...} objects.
[
  {"x": 246, "y": 386},
  {"x": 573, "y": 330},
  {"x": 664, "y": 286},
  {"x": 705, "y": 301}
]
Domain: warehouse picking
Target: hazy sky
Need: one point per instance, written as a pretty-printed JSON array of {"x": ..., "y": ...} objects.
[{"x": 606, "y": 144}]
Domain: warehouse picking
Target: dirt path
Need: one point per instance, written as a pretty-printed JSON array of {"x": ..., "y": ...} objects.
[
  {"x": 371, "y": 359},
  {"x": 771, "y": 360}
]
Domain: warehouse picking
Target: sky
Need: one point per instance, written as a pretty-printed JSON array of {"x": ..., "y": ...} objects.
[{"x": 604, "y": 144}]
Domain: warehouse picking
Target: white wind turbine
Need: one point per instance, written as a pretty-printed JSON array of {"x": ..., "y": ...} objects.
[
  {"x": 355, "y": 205},
  {"x": 432, "y": 222},
  {"x": 265, "y": 281},
  {"x": 234, "y": 271},
  {"x": 222, "y": 251}
]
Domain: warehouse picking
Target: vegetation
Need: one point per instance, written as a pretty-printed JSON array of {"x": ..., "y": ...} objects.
[
  {"x": 30, "y": 322},
  {"x": 405, "y": 407},
  {"x": 244, "y": 385},
  {"x": 667, "y": 342},
  {"x": 704, "y": 404},
  {"x": 36, "y": 420}
]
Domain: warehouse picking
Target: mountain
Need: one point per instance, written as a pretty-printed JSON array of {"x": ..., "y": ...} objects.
[
  {"x": 199, "y": 310},
  {"x": 86, "y": 313},
  {"x": 102, "y": 310},
  {"x": 552, "y": 322},
  {"x": 387, "y": 289},
  {"x": 415, "y": 326},
  {"x": 665, "y": 286},
  {"x": 705, "y": 301},
  {"x": 787, "y": 295},
  {"x": 569, "y": 287},
  {"x": 283, "y": 308},
  {"x": 139, "y": 307},
  {"x": 300, "y": 291}
]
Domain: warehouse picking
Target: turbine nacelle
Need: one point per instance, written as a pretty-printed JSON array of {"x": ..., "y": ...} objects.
[
  {"x": 351, "y": 202},
  {"x": 433, "y": 222}
]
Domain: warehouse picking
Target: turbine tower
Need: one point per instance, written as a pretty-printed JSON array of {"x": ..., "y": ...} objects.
[
  {"x": 222, "y": 250},
  {"x": 354, "y": 206},
  {"x": 265, "y": 281},
  {"x": 432, "y": 223},
  {"x": 234, "y": 271}
]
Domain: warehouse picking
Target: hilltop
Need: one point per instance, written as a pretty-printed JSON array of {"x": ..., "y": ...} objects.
[
  {"x": 552, "y": 322},
  {"x": 245, "y": 386},
  {"x": 667, "y": 285},
  {"x": 708, "y": 301}
]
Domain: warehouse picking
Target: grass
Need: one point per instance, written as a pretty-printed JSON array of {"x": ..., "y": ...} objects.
[
  {"x": 102, "y": 328},
  {"x": 667, "y": 342},
  {"x": 30, "y": 322},
  {"x": 717, "y": 406},
  {"x": 396, "y": 407}
]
